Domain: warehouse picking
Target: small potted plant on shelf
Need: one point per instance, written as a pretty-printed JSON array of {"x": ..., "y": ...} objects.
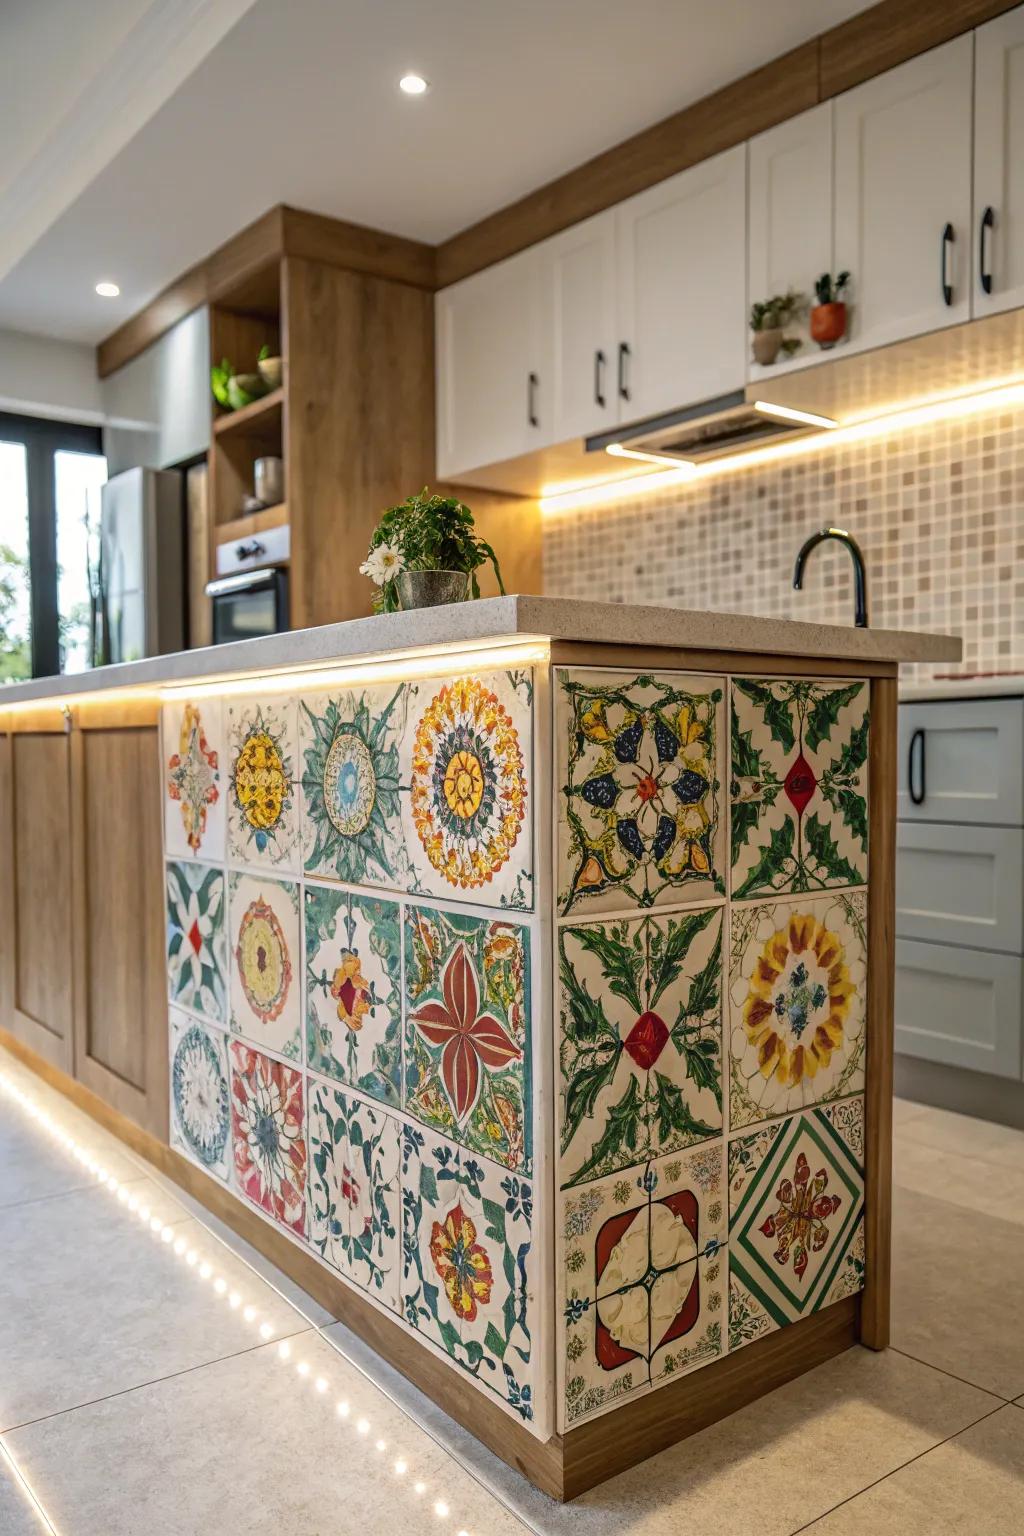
[
  {"x": 828, "y": 316},
  {"x": 768, "y": 320},
  {"x": 426, "y": 551}
]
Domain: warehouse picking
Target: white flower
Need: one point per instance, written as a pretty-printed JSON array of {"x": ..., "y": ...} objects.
[{"x": 383, "y": 564}]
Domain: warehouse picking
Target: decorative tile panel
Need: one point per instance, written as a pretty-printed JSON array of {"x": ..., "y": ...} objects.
[
  {"x": 799, "y": 786},
  {"x": 262, "y": 789},
  {"x": 467, "y": 1032},
  {"x": 798, "y": 974},
  {"x": 265, "y": 960},
  {"x": 200, "y": 1095},
  {"x": 353, "y": 990},
  {"x": 796, "y": 1200},
  {"x": 640, "y": 1015},
  {"x": 268, "y": 1135},
  {"x": 193, "y": 765},
  {"x": 196, "y": 950},
  {"x": 640, "y": 762}
]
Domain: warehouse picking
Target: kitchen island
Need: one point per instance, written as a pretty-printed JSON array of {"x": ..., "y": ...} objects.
[{"x": 517, "y": 976}]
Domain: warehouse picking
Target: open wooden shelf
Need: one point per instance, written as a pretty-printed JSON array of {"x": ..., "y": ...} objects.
[
  {"x": 261, "y": 419},
  {"x": 252, "y": 522}
]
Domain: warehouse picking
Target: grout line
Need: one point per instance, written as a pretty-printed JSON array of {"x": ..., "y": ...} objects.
[{"x": 964, "y": 1381}]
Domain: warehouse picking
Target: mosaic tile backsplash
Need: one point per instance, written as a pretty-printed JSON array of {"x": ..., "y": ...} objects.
[{"x": 939, "y": 513}]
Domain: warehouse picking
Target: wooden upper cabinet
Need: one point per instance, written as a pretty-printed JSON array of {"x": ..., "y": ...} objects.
[
  {"x": 902, "y": 177},
  {"x": 578, "y": 277},
  {"x": 998, "y": 249},
  {"x": 682, "y": 287},
  {"x": 789, "y": 228}
]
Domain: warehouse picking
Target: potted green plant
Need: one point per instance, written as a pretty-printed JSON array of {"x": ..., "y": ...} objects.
[
  {"x": 828, "y": 316},
  {"x": 234, "y": 390},
  {"x": 768, "y": 320},
  {"x": 426, "y": 551}
]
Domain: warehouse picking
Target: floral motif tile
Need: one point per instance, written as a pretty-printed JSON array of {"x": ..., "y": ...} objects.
[
  {"x": 354, "y": 1190},
  {"x": 353, "y": 990},
  {"x": 467, "y": 1280},
  {"x": 467, "y": 1032},
  {"x": 268, "y": 1135},
  {"x": 349, "y": 791},
  {"x": 262, "y": 783},
  {"x": 640, "y": 1016},
  {"x": 798, "y": 982},
  {"x": 644, "y": 1281},
  {"x": 640, "y": 762},
  {"x": 196, "y": 950},
  {"x": 799, "y": 786},
  {"x": 467, "y": 761},
  {"x": 200, "y": 1095},
  {"x": 193, "y": 765},
  {"x": 265, "y": 961},
  {"x": 796, "y": 1201}
]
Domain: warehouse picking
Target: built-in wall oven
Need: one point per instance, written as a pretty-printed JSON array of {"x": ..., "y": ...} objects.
[{"x": 249, "y": 603}]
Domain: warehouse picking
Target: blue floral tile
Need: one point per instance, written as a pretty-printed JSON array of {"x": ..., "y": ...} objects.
[
  {"x": 200, "y": 1094},
  {"x": 196, "y": 948},
  {"x": 353, "y": 990}
]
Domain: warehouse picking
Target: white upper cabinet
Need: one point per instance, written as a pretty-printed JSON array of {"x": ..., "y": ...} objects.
[
  {"x": 903, "y": 196},
  {"x": 579, "y": 296},
  {"x": 493, "y": 399},
  {"x": 682, "y": 289},
  {"x": 999, "y": 164},
  {"x": 789, "y": 228}
]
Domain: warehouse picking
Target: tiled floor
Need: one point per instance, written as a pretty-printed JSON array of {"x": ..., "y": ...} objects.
[{"x": 140, "y": 1394}]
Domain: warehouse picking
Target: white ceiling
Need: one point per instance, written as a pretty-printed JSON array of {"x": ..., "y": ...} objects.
[{"x": 134, "y": 146}]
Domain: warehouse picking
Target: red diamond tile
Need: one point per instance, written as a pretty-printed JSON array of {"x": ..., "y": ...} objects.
[
  {"x": 646, "y": 1040},
  {"x": 800, "y": 783}
]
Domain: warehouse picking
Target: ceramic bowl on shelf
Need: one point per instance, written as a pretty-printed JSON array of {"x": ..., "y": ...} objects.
[{"x": 271, "y": 371}]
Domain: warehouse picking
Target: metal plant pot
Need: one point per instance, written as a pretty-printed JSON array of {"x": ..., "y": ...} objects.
[{"x": 429, "y": 589}]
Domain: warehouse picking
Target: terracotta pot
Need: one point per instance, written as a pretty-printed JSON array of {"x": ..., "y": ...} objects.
[
  {"x": 828, "y": 324},
  {"x": 766, "y": 346},
  {"x": 429, "y": 589}
]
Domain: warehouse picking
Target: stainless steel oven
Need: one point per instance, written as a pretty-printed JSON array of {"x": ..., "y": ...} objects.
[{"x": 249, "y": 603}]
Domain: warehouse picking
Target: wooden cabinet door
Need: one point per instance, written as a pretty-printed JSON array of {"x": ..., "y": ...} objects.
[
  {"x": 902, "y": 176},
  {"x": 493, "y": 398},
  {"x": 682, "y": 287},
  {"x": 998, "y": 240},
  {"x": 579, "y": 297},
  {"x": 789, "y": 233}
]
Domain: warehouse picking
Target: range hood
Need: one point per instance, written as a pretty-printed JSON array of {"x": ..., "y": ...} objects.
[{"x": 724, "y": 425}]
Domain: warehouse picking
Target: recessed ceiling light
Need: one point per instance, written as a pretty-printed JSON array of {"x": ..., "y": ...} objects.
[
  {"x": 412, "y": 85},
  {"x": 107, "y": 290}
]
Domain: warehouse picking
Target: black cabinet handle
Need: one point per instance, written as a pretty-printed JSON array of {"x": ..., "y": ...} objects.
[
  {"x": 916, "y": 793},
  {"x": 531, "y": 401},
  {"x": 249, "y": 551},
  {"x": 948, "y": 236},
  {"x": 988, "y": 219},
  {"x": 599, "y": 379},
  {"x": 624, "y": 355}
]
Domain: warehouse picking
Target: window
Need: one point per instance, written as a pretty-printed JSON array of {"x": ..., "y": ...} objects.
[{"x": 51, "y": 473}]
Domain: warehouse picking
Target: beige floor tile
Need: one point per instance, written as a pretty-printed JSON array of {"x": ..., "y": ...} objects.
[
  {"x": 17, "y": 1516},
  {"x": 971, "y": 1486},
  {"x": 973, "y": 1186},
  {"x": 905, "y": 1110},
  {"x": 978, "y": 1139}
]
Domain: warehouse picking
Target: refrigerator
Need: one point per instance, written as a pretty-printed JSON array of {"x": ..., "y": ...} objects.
[{"x": 142, "y": 565}]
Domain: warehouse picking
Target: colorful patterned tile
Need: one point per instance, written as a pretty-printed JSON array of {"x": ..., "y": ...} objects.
[
  {"x": 640, "y": 1013},
  {"x": 200, "y": 1096},
  {"x": 262, "y": 788},
  {"x": 467, "y": 760},
  {"x": 796, "y": 1200},
  {"x": 193, "y": 762},
  {"x": 799, "y": 786},
  {"x": 354, "y": 1191},
  {"x": 351, "y": 821},
  {"x": 640, "y": 764},
  {"x": 196, "y": 949},
  {"x": 353, "y": 990},
  {"x": 268, "y": 1135},
  {"x": 644, "y": 1278},
  {"x": 798, "y": 979},
  {"x": 467, "y": 1032},
  {"x": 266, "y": 986},
  {"x": 467, "y": 1281}
]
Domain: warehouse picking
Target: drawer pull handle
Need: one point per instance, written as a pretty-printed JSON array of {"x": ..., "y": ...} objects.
[{"x": 916, "y": 793}]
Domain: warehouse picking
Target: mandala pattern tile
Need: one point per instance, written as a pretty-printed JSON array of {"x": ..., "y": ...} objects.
[
  {"x": 640, "y": 763},
  {"x": 467, "y": 1032},
  {"x": 196, "y": 949},
  {"x": 467, "y": 1275},
  {"x": 193, "y": 761},
  {"x": 354, "y": 1190},
  {"x": 799, "y": 786},
  {"x": 796, "y": 1201},
  {"x": 644, "y": 1280},
  {"x": 640, "y": 1015},
  {"x": 467, "y": 759},
  {"x": 798, "y": 985},
  {"x": 265, "y": 959},
  {"x": 351, "y": 819},
  {"x": 268, "y": 1135},
  {"x": 353, "y": 990},
  {"x": 262, "y": 792},
  {"x": 200, "y": 1095}
]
